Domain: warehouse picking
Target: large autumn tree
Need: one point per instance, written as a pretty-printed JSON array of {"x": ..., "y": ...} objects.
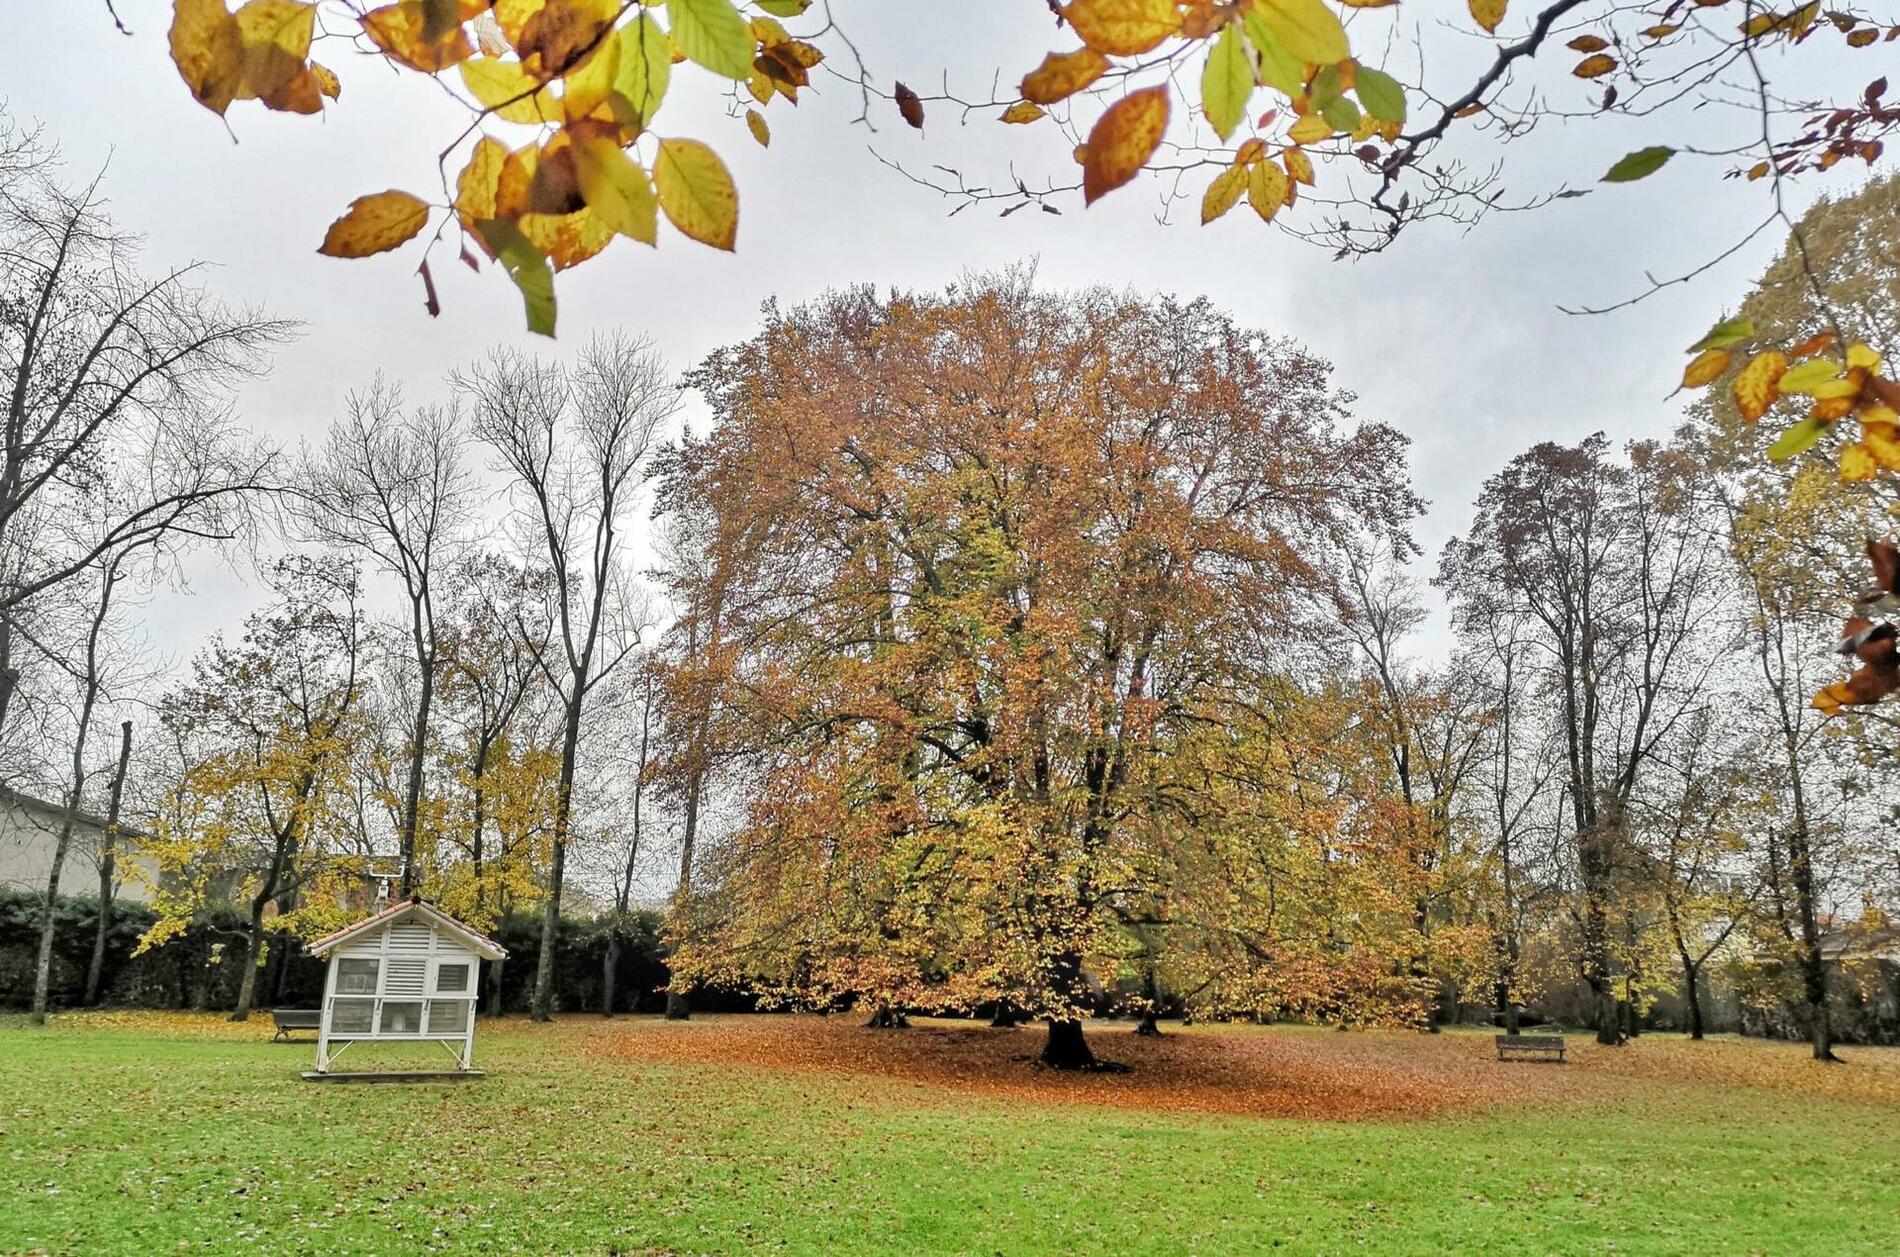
[{"x": 1012, "y": 585}]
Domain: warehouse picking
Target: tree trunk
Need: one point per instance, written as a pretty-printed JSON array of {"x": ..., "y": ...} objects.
[
  {"x": 888, "y": 1018},
  {"x": 1609, "y": 1016},
  {"x": 1007, "y": 1016},
  {"x": 542, "y": 1007},
  {"x": 1147, "y": 1026},
  {"x": 677, "y": 1007},
  {"x": 108, "y": 862},
  {"x": 1693, "y": 986},
  {"x": 1067, "y": 1049},
  {"x": 494, "y": 987},
  {"x": 412, "y": 794},
  {"x": 253, "y": 955},
  {"x": 610, "y": 962}
]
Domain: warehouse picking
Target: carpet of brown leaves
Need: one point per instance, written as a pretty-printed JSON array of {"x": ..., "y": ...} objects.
[{"x": 1243, "y": 1070}]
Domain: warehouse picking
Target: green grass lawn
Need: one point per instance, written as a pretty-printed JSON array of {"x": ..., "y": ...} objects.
[{"x": 123, "y": 1137}]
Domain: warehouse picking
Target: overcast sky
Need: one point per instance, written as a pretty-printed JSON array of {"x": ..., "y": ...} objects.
[{"x": 1454, "y": 338}]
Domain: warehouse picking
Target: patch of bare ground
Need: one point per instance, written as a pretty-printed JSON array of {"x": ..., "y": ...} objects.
[{"x": 1248, "y": 1071}]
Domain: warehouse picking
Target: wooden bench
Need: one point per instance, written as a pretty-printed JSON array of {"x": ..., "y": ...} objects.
[
  {"x": 1531, "y": 1046},
  {"x": 289, "y": 1019}
]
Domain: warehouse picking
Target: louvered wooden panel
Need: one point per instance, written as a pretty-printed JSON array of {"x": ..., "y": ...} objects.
[
  {"x": 410, "y": 938},
  {"x": 406, "y": 975}
]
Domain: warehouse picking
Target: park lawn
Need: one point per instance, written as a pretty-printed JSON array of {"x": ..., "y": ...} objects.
[{"x": 124, "y": 1133}]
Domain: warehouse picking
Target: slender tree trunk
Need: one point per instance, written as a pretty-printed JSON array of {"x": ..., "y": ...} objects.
[
  {"x": 419, "y": 745},
  {"x": 1693, "y": 985},
  {"x": 677, "y": 1007},
  {"x": 609, "y": 965},
  {"x": 543, "y": 1005},
  {"x": 1007, "y": 1016},
  {"x": 43, "y": 962},
  {"x": 494, "y": 987},
  {"x": 1151, "y": 995},
  {"x": 253, "y": 956},
  {"x": 888, "y": 1018},
  {"x": 108, "y": 862}
]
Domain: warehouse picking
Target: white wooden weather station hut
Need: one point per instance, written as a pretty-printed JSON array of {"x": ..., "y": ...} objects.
[{"x": 408, "y": 974}]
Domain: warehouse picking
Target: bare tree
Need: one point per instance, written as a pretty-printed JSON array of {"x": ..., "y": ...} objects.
[
  {"x": 106, "y": 369},
  {"x": 108, "y": 859},
  {"x": 574, "y": 443},
  {"x": 392, "y": 484}
]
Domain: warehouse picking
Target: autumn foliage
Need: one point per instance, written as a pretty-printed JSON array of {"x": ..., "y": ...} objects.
[{"x": 1008, "y": 601}]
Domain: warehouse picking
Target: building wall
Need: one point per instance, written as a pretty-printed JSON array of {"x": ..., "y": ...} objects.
[{"x": 29, "y": 830}]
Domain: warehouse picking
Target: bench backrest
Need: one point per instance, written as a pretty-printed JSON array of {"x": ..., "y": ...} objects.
[
  {"x": 1532, "y": 1042},
  {"x": 297, "y": 1018}
]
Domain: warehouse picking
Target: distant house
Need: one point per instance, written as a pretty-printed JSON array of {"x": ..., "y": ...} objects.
[{"x": 29, "y": 831}]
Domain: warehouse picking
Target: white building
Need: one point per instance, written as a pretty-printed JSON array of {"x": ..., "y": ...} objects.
[
  {"x": 408, "y": 974},
  {"x": 29, "y": 831}
]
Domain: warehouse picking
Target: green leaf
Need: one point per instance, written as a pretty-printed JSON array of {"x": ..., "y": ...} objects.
[
  {"x": 1640, "y": 164},
  {"x": 644, "y": 68},
  {"x": 1804, "y": 376},
  {"x": 1227, "y": 82},
  {"x": 711, "y": 33},
  {"x": 525, "y": 265},
  {"x": 1279, "y": 69},
  {"x": 1326, "y": 87},
  {"x": 1381, "y": 94},
  {"x": 1801, "y": 436},
  {"x": 1724, "y": 334},
  {"x": 1340, "y": 113},
  {"x": 1307, "y": 29},
  {"x": 784, "y": 8}
]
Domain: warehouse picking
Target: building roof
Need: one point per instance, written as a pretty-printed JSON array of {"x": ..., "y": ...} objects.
[
  {"x": 57, "y": 811},
  {"x": 404, "y": 910}
]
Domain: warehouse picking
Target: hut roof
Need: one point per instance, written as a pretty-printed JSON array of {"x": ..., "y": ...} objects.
[{"x": 408, "y": 909}]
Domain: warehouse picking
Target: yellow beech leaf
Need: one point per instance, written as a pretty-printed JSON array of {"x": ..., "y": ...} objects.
[
  {"x": 375, "y": 224},
  {"x": 1307, "y": 29},
  {"x": 1705, "y": 367},
  {"x": 616, "y": 188},
  {"x": 1022, "y": 111},
  {"x": 697, "y": 193},
  {"x": 511, "y": 16},
  {"x": 1310, "y": 130},
  {"x": 206, "y": 49},
  {"x": 327, "y": 81},
  {"x": 1487, "y": 13},
  {"x": 1595, "y": 67},
  {"x": 509, "y": 91},
  {"x": 397, "y": 30},
  {"x": 476, "y": 186},
  {"x": 1122, "y": 140},
  {"x": 1224, "y": 193},
  {"x": 1883, "y": 441},
  {"x": 1858, "y": 462},
  {"x": 1758, "y": 385},
  {"x": 1859, "y": 355},
  {"x": 1299, "y": 166},
  {"x": 1663, "y": 31},
  {"x": 1063, "y": 74},
  {"x": 1252, "y": 149},
  {"x": 755, "y": 123},
  {"x": 1266, "y": 189},
  {"x": 275, "y": 38},
  {"x": 1123, "y": 28},
  {"x": 586, "y": 86}
]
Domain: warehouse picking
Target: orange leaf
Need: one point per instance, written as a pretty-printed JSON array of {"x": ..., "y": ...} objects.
[
  {"x": 1063, "y": 74},
  {"x": 1122, "y": 140},
  {"x": 1705, "y": 367},
  {"x": 1595, "y": 67}
]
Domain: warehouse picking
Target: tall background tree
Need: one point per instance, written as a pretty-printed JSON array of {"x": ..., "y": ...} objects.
[{"x": 573, "y": 443}]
